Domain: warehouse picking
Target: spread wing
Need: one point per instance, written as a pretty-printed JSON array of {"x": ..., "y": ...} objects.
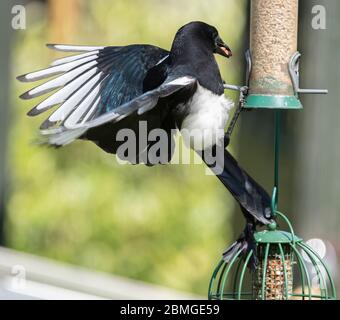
[
  {"x": 95, "y": 86},
  {"x": 115, "y": 74}
]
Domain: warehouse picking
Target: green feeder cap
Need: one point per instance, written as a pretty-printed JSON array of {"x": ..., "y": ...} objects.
[
  {"x": 261, "y": 101},
  {"x": 275, "y": 236}
]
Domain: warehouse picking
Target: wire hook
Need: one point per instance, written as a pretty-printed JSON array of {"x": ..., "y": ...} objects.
[{"x": 293, "y": 67}]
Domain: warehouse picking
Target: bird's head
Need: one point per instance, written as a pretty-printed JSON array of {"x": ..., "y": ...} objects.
[{"x": 204, "y": 35}]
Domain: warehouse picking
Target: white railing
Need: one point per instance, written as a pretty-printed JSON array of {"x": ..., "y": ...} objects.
[{"x": 25, "y": 276}]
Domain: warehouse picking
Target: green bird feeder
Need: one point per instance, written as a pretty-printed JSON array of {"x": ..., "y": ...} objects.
[
  {"x": 282, "y": 273},
  {"x": 274, "y": 65}
]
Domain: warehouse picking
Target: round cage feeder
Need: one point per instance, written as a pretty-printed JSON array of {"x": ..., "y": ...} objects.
[{"x": 288, "y": 269}]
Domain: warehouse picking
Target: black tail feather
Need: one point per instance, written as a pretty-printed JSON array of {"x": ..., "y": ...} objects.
[{"x": 253, "y": 199}]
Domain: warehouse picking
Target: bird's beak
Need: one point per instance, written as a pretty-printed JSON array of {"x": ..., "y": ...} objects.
[{"x": 222, "y": 49}]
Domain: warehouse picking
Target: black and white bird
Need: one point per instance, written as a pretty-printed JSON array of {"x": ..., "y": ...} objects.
[
  {"x": 105, "y": 89},
  {"x": 102, "y": 90}
]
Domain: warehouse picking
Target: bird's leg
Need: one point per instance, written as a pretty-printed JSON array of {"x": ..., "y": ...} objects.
[
  {"x": 249, "y": 231},
  {"x": 243, "y": 94},
  {"x": 245, "y": 243}
]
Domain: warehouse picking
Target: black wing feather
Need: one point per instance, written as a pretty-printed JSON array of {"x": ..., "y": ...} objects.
[{"x": 117, "y": 73}]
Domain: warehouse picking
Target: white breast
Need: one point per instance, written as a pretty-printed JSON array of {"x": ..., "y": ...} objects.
[{"x": 207, "y": 118}]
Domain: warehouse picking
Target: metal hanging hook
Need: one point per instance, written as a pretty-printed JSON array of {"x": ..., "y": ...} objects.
[
  {"x": 243, "y": 90},
  {"x": 293, "y": 67}
]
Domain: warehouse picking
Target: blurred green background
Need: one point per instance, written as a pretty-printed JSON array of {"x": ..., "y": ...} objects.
[{"x": 167, "y": 224}]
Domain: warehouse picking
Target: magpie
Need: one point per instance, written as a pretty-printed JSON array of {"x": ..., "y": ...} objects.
[{"x": 104, "y": 89}]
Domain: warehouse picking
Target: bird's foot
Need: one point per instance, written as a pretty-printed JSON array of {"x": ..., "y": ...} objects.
[{"x": 244, "y": 244}]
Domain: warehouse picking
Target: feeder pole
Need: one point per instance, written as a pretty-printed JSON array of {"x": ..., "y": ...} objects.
[
  {"x": 275, "y": 197},
  {"x": 273, "y": 42}
]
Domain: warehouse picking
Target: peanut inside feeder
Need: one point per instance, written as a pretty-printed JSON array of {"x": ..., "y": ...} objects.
[{"x": 278, "y": 275}]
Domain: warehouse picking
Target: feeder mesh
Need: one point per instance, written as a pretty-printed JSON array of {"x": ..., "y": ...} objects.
[{"x": 274, "y": 278}]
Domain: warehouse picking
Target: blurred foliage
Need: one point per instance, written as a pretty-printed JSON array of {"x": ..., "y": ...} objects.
[{"x": 166, "y": 224}]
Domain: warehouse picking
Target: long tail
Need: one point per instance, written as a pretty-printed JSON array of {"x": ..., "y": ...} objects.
[{"x": 253, "y": 199}]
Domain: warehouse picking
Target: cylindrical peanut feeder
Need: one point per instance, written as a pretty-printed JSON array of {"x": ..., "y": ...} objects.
[{"x": 273, "y": 41}]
